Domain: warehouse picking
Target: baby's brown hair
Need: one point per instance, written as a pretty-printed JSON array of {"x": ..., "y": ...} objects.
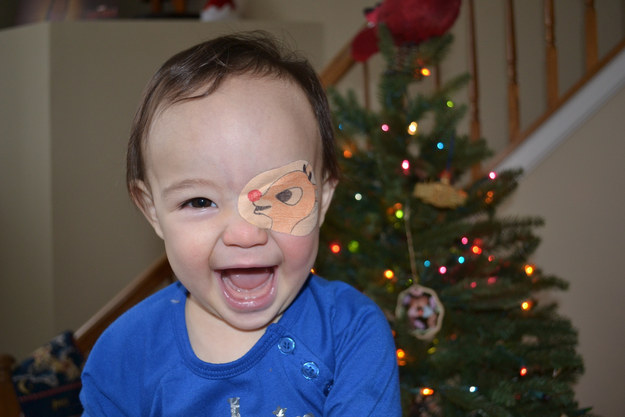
[{"x": 200, "y": 70}]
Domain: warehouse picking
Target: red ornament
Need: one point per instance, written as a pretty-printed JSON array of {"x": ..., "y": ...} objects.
[
  {"x": 409, "y": 21},
  {"x": 218, "y": 10}
]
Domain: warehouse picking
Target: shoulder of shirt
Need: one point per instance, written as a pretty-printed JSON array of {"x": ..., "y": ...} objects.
[
  {"x": 145, "y": 317},
  {"x": 340, "y": 299}
]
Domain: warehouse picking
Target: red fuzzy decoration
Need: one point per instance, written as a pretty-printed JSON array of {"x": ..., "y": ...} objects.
[{"x": 409, "y": 21}]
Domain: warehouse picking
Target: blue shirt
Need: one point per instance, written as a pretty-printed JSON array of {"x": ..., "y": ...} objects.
[{"x": 331, "y": 354}]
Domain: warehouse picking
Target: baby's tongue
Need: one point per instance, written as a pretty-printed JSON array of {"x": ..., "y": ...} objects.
[{"x": 248, "y": 278}]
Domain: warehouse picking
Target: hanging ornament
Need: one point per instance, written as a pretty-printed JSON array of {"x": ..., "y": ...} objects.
[
  {"x": 440, "y": 194},
  {"x": 422, "y": 309},
  {"x": 409, "y": 21},
  {"x": 214, "y": 10}
]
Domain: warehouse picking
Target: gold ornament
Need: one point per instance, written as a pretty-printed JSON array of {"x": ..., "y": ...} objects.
[{"x": 440, "y": 194}]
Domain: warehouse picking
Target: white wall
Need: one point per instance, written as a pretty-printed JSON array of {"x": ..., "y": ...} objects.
[{"x": 578, "y": 191}]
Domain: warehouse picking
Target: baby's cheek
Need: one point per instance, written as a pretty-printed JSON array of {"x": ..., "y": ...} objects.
[{"x": 299, "y": 251}]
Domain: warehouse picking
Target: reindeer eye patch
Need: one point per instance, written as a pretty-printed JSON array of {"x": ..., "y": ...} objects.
[
  {"x": 283, "y": 199},
  {"x": 290, "y": 196}
]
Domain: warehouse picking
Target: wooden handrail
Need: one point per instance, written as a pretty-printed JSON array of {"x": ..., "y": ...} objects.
[
  {"x": 338, "y": 67},
  {"x": 497, "y": 159}
]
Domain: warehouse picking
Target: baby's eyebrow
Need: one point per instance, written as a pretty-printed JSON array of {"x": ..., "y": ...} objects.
[{"x": 185, "y": 184}]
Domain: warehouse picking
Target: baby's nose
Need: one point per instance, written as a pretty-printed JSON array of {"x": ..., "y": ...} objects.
[{"x": 240, "y": 232}]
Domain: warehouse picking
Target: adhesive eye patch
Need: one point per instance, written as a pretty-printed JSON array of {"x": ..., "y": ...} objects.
[{"x": 283, "y": 199}]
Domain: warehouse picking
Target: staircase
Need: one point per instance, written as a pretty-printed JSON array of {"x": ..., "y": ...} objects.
[{"x": 527, "y": 143}]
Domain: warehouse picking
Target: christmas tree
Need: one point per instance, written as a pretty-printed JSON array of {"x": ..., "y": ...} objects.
[{"x": 410, "y": 228}]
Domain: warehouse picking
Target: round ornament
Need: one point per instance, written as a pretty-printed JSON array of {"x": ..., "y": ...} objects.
[{"x": 422, "y": 309}]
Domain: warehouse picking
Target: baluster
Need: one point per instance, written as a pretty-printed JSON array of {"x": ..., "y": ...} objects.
[
  {"x": 551, "y": 55},
  {"x": 475, "y": 129},
  {"x": 590, "y": 17},
  {"x": 513, "y": 86},
  {"x": 366, "y": 92}
]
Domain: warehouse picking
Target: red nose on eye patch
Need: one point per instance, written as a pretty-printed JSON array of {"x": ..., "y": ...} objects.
[{"x": 254, "y": 195}]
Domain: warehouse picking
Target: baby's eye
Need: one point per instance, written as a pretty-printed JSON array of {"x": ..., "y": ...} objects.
[{"x": 199, "y": 202}]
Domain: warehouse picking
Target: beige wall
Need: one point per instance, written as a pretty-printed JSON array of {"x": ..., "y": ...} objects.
[
  {"x": 26, "y": 278},
  {"x": 71, "y": 239}
]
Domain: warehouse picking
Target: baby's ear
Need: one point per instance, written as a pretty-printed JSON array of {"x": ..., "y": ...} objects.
[
  {"x": 142, "y": 197},
  {"x": 327, "y": 191}
]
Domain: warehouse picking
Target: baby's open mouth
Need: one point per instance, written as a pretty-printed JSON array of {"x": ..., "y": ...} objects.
[
  {"x": 247, "y": 286},
  {"x": 246, "y": 279}
]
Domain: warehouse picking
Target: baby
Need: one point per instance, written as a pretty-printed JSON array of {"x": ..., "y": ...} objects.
[{"x": 231, "y": 159}]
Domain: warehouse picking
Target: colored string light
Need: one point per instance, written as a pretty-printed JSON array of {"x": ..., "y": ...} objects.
[
  {"x": 385, "y": 127},
  {"x": 427, "y": 391},
  {"x": 353, "y": 246},
  {"x": 412, "y": 128},
  {"x": 335, "y": 248},
  {"x": 401, "y": 357},
  {"x": 389, "y": 274}
]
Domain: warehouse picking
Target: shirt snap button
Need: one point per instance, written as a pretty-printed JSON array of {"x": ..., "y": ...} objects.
[
  {"x": 310, "y": 370},
  {"x": 286, "y": 345}
]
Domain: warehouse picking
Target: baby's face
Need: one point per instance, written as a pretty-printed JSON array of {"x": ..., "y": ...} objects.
[{"x": 236, "y": 192}]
